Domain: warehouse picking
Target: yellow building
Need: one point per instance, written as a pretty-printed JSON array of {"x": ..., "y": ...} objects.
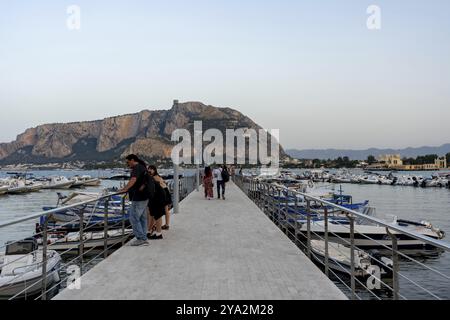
[
  {"x": 441, "y": 162},
  {"x": 395, "y": 162},
  {"x": 391, "y": 160}
]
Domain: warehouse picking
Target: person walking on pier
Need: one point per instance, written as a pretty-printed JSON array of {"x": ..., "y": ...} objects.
[
  {"x": 137, "y": 189},
  {"x": 222, "y": 176},
  {"x": 208, "y": 183},
  {"x": 158, "y": 205},
  {"x": 217, "y": 173}
]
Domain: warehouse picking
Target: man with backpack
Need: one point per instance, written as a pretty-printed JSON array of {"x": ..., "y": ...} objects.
[
  {"x": 222, "y": 176},
  {"x": 139, "y": 189}
]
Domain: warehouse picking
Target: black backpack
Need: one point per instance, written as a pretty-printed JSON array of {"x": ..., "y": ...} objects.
[
  {"x": 149, "y": 186},
  {"x": 225, "y": 175}
]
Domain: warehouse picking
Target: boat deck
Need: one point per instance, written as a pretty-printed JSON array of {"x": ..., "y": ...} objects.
[{"x": 214, "y": 250}]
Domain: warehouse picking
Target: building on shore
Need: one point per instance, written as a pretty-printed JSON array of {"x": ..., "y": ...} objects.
[
  {"x": 395, "y": 162},
  {"x": 391, "y": 160}
]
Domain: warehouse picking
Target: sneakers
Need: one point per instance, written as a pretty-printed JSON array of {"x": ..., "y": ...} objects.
[
  {"x": 155, "y": 237},
  {"x": 137, "y": 243}
]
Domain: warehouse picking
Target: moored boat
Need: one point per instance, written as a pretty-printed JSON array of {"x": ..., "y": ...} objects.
[
  {"x": 372, "y": 236},
  {"x": 70, "y": 242},
  {"x": 58, "y": 183},
  {"x": 3, "y": 190},
  {"x": 339, "y": 258},
  {"x": 21, "y": 269},
  {"x": 17, "y": 186}
]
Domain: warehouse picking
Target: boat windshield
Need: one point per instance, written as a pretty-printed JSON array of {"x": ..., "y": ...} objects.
[{"x": 22, "y": 247}]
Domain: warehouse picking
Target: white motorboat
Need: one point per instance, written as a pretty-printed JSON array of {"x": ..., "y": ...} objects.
[
  {"x": 85, "y": 181},
  {"x": 91, "y": 182},
  {"x": 434, "y": 182},
  {"x": 67, "y": 242},
  {"x": 369, "y": 180},
  {"x": 34, "y": 186},
  {"x": 339, "y": 258},
  {"x": 355, "y": 179},
  {"x": 372, "y": 236},
  {"x": 59, "y": 183},
  {"x": 405, "y": 181},
  {"x": 77, "y": 183},
  {"x": 341, "y": 179},
  {"x": 3, "y": 190},
  {"x": 385, "y": 180},
  {"x": 17, "y": 186},
  {"x": 21, "y": 269}
]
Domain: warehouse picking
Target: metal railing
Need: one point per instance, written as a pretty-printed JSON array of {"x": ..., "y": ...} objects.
[
  {"x": 342, "y": 241},
  {"x": 88, "y": 233}
]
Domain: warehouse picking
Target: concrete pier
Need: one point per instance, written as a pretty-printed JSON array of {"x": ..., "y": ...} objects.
[{"x": 217, "y": 249}]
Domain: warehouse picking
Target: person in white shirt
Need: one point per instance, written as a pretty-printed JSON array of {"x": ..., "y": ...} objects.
[{"x": 217, "y": 173}]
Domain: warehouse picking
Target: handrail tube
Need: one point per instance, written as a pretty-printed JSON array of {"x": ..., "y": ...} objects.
[{"x": 56, "y": 210}]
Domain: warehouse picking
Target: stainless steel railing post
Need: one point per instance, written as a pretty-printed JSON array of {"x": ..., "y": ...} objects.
[
  {"x": 277, "y": 217},
  {"x": 123, "y": 220},
  {"x": 352, "y": 256},
  {"x": 176, "y": 189},
  {"x": 308, "y": 227},
  {"x": 258, "y": 194},
  {"x": 395, "y": 265},
  {"x": 81, "y": 246},
  {"x": 44, "y": 259},
  {"x": 197, "y": 178},
  {"x": 105, "y": 229},
  {"x": 296, "y": 226},
  {"x": 286, "y": 215},
  {"x": 325, "y": 214}
]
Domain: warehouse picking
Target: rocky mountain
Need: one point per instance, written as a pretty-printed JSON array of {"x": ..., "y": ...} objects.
[
  {"x": 363, "y": 154},
  {"x": 146, "y": 133}
]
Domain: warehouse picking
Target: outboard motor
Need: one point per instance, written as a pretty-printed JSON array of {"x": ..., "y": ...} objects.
[
  {"x": 60, "y": 198},
  {"x": 381, "y": 261}
]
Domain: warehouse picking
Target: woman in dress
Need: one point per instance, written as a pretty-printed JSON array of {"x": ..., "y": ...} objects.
[
  {"x": 167, "y": 196},
  {"x": 156, "y": 206},
  {"x": 208, "y": 183}
]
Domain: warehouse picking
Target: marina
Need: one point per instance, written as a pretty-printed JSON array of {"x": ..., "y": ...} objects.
[
  {"x": 434, "y": 179},
  {"x": 412, "y": 212}
]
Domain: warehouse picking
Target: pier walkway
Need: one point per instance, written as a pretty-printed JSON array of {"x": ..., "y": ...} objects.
[{"x": 214, "y": 250}]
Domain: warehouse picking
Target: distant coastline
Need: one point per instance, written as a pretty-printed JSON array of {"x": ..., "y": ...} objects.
[{"x": 352, "y": 154}]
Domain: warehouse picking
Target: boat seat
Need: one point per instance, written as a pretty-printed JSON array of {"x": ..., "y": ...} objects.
[{"x": 14, "y": 262}]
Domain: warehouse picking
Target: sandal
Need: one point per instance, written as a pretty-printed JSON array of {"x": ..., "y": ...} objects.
[{"x": 165, "y": 227}]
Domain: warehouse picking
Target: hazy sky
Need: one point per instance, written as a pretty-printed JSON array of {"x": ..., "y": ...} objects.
[{"x": 310, "y": 68}]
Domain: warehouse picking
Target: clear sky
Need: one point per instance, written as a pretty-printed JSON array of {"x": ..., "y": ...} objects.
[{"x": 310, "y": 68}]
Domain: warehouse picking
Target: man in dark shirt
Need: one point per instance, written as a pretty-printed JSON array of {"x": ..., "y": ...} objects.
[{"x": 139, "y": 199}]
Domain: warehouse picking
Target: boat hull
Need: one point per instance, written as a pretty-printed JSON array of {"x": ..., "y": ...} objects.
[
  {"x": 72, "y": 246},
  {"x": 65, "y": 185},
  {"x": 30, "y": 283}
]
